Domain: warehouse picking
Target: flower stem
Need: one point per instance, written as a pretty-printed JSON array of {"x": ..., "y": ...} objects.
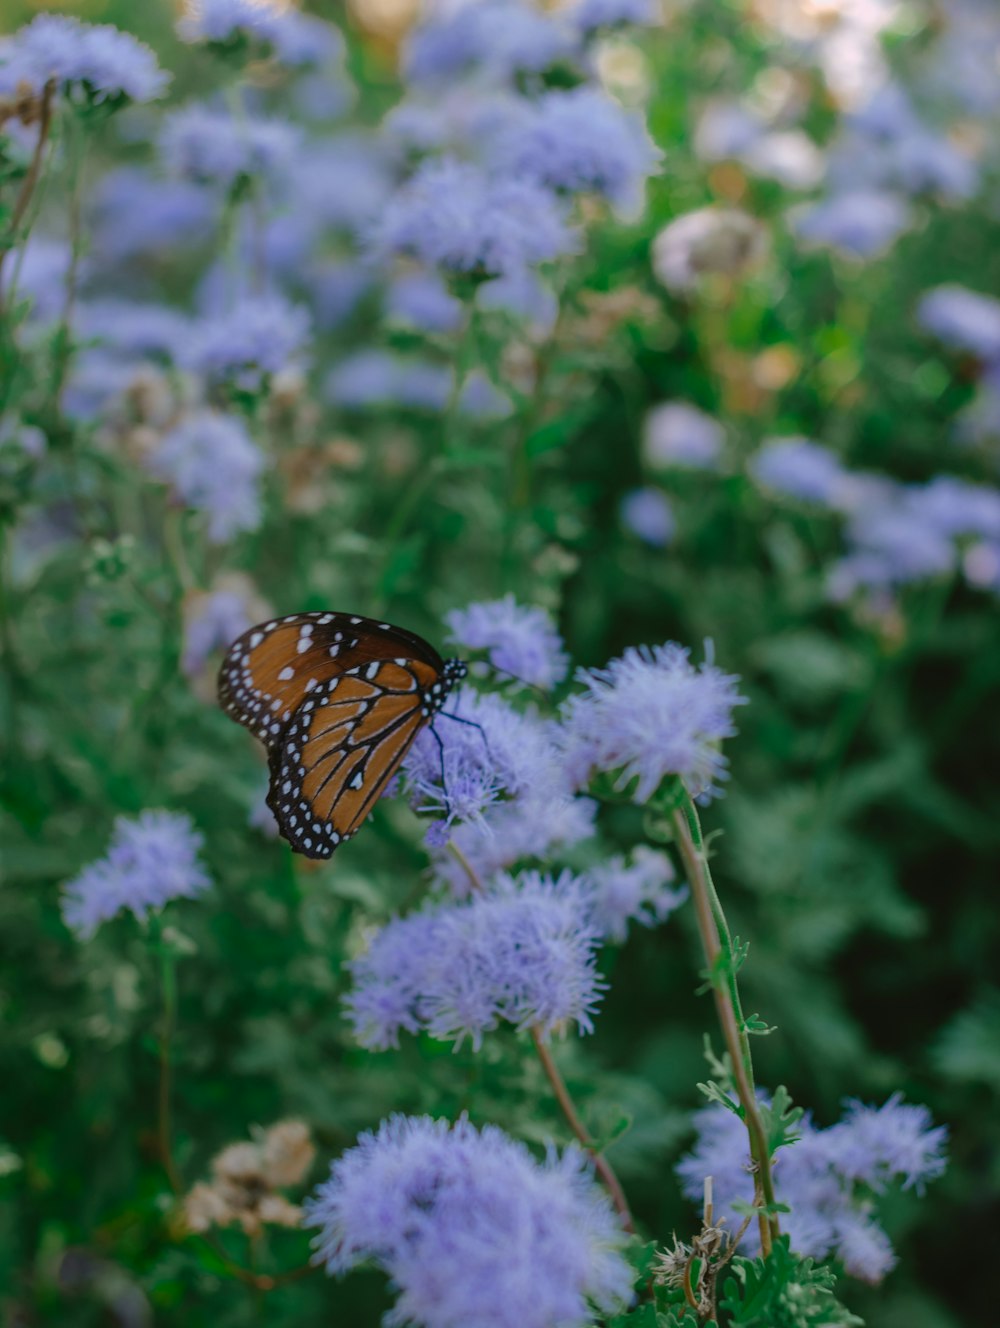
[
  {"x": 718, "y": 945},
  {"x": 562, "y": 1094},
  {"x": 30, "y": 182},
  {"x": 601, "y": 1164}
]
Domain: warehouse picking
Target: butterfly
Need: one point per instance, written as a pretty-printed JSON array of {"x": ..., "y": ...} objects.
[{"x": 337, "y": 700}]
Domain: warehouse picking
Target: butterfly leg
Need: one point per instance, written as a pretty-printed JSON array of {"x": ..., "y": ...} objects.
[{"x": 471, "y": 724}]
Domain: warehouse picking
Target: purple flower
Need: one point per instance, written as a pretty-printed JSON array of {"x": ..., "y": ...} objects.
[
  {"x": 370, "y": 378},
  {"x": 212, "y": 622},
  {"x": 893, "y": 544},
  {"x": 521, "y": 639},
  {"x": 138, "y": 329},
  {"x": 583, "y": 140},
  {"x": 589, "y": 15},
  {"x": 489, "y": 753},
  {"x": 963, "y": 319},
  {"x": 342, "y": 183},
  {"x": 981, "y": 565},
  {"x": 819, "y": 1177},
  {"x": 151, "y": 859},
  {"x": 471, "y": 1228},
  {"x": 224, "y": 20},
  {"x": 305, "y": 41},
  {"x": 481, "y": 399},
  {"x": 956, "y": 508},
  {"x": 455, "y": 215},
  {"x": 502, "y": 38},
  {"x": 421, "y": 299},
  {"x": 861, "y": 223},
  {"x": 106, "y": 63},
  {"x": 210, "y": 146},
  {"x": 639, "y": 891},
  {"x": 135, "y": 214},
  {"x": 798, "y": 468},
  {"x": 522, "y": 952},
  {"x": 523, "y": 295},
  {"x": 649, "y": 516},
  {"x": 651, "y": 714},
  {"x": 213, "y": 466},
  {"x": 677, "y": 434},
  {"x": 259, "y": 336},
  {"x": 44, "y": 270}
]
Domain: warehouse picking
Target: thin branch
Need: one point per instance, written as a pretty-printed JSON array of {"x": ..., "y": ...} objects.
[
  {"x": 708, "y": 910},
  {"x": 562, "y": 1095},
  {"x": 601, "y": 1164},
  {"x": 30, "y": 182}
]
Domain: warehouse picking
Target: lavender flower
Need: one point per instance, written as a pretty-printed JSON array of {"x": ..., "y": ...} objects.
[
  {"x": 583, "y": 140},
  {"x": 455, "y": 215},
  {"x": 521, "y": 639},
  {"x": 135, "y": 214},
  {"x": 639, "y": 891},
  {"x": 213, "y": 466},
  {"x": 421, "y": 300},
  {"x": 106, "y": 64},
  {"x": 820, "y": 1175},
  {"x": 798, "y": 468},
  {"x": 522, "y": 953},
  {"x": 649, "y": 516},
  {"x": 138, "y": 329},
  {"x": 957, "y": 508},
  {"x": 225, "y": 20},
  {"x": 861, "y": 223},
  {"x": 151, "y": 859},
  {"x": 495, "y": 753},
  {"x": 677, "y": 434},
  {"x": 211, "y": 622},
  {"x": 471, "y": 1228},
  {"x": 502, "y": 38},
  {"x": 651, "y": 714},
  {"x": 209, "y": 146},
  {"x": 895, "y": 545},
  {"x": 260, "y": 335},
  {"x": 370, "y": 378},
  {"x": 589, "y": 15},
  {"x": 963, "y": 319}
]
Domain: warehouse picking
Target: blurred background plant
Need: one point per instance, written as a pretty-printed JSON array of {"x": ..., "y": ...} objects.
[{"x": 682, "y": 330}]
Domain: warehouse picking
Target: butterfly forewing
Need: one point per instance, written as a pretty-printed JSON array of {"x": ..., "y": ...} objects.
[
  {"x": 343, "y": 745},
  {"x": 270, "y": 671}
]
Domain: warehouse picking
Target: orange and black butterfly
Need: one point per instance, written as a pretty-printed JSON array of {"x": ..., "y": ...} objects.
[{"x": 337, "y": 700}]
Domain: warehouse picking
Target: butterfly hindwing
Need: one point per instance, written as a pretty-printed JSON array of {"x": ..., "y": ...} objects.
[{"x": 343, "y": 745}]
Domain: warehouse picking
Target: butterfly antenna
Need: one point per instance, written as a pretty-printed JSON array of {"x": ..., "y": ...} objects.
[
  {"x": 523, "y": 681},
  {"x": 444, "y": 779}
]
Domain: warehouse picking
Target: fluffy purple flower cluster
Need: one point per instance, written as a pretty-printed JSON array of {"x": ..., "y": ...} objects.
[
  {"x": 213, "y": 466},
  {"x": 471, "y": 1228},
  {"x": 499, "y": 39},
  {"x": 522, "y": 953},
  {"x": 106, "y": 63},
  {"x": 648, "y": 715},
  {"x": 151, "y": 859},
  {"x": 640, "y": 891},
  {"x": 255, "y": 336},
  {"x": 500, "y": 781},
  {"x": 678, "y": 434},
  {"x": 828, "y": 1178},
  {"x": 520, "y": 640},
  {"x": 458, "y": 216},
  {"x": 208, "y": 145}
]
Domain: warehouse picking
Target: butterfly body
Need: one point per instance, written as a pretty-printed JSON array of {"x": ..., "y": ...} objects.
[{"x": 338, "y": 700}]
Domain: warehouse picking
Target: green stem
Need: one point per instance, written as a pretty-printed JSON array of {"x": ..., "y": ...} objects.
[
  {"x": 168, "y": 984},
  {"x": 562, "y": 1094},
  {"x": 718, "y": 946},
  {"x": 76, "y": 141}
]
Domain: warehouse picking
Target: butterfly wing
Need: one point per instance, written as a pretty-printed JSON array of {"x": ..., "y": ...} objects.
[
  {"x": 343, "y": 744},
  {"x": 271, "y": 669}
]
